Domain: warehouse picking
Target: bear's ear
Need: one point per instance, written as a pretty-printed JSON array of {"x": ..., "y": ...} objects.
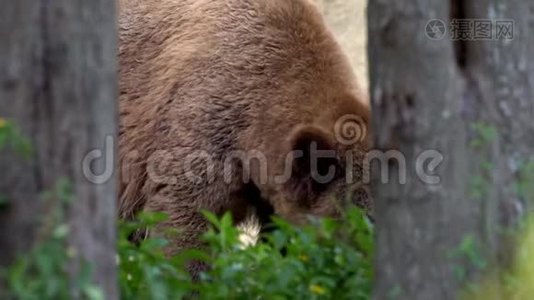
[{"x": 314, "y": 164}]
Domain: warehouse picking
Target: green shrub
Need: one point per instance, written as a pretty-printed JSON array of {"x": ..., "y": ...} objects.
[
  {"x": 144, "y": 271},
  {"x": 42, "y": 272},
  {"x": 12, "y": 139},
  {"x": 324, "y": 260}
]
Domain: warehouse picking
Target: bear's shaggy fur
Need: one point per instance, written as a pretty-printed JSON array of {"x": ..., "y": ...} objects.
[{"x": 202, "y": 80}]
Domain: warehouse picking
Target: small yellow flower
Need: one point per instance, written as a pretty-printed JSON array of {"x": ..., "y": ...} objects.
[
  {"x": 317, "y": 289},
  {"x": 3, "y": 123},
  {"x": 303, "y": 257}
]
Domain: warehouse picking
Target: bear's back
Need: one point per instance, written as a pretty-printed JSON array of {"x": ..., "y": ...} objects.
[
  {"x": 223, "y": 75},
  {"x": 233, "y": 59}
]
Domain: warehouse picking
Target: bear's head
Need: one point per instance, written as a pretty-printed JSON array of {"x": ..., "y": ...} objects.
[{"x": 321, "y": 168}]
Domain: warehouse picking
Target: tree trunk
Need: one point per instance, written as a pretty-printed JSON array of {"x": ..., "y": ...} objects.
[
  {"x": 473, "y": 102},
  {"x": 58, "y": 85}
]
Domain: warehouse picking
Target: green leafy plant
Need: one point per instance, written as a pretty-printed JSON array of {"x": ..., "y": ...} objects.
[
  {"x": 512, "y": 282},
  {"x": 484, "y": 134},
  {"x": 470, "y": 254},
  {"x": 42, "y": 272},
  {"x": 524, "y": 185},
  {"x": 145, "y": 272},
  {"x": 323, "y": 260},
  {"x": 11, "y": 138}
]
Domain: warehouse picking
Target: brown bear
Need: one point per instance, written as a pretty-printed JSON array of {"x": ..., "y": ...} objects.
[{"x": 247, "y": 106}]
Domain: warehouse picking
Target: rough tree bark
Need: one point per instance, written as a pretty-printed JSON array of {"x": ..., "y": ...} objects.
[
  {"x": 473, "y": 101},
  {"x": 58, "y": 85}
]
